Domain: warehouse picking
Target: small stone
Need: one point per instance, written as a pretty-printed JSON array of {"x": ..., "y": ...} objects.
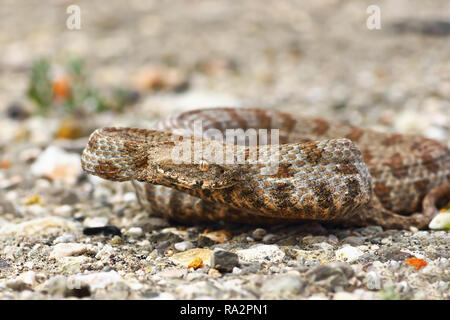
[
  {"x": 195, "y": 263},
  {"x": 163, "y": 245},
  {"x": 105, "y": 252},
  {"x": 353, "y": 241},
  {"x": 331, "y": 275},
  {"x": 186, "y": 257},
  {"x": 373, "y": 281},
  {"x": 204, "y": 242},
  {"x": 67, "y": 249},
  {"x": 109, "y": 230},
  {"x": 236, "y": 270},
  {"x": 94, "y": 281},
  {"x": 135, "y": 232},
  {"x": 284, "y": 284},
  {"x": 95, "y": 222},
  {"x": 129, "y": 197},
  {"x": 183, "y": 245},
  {"x": 165, "y": 236},
  {"x": 348, "y": 254},
  {"x": 65, "y": 238},
  {"x": 72, "y": 264},
  {"x": 173, "y": 273},
  {"x": 57, "y": 164},
  {"x": 4, "y": 265},
  {"x": 218, "y": 236},
  {"x": 441, "y": 221},
  {"x": 323, "y": 246},
  {"x": 116, "y": 240},
  {"x": 261, "y": 253},
  {"x": 214, "y": 272},
  {"x": 223, "y": 260},
  {"x": 258, "y": 234}
]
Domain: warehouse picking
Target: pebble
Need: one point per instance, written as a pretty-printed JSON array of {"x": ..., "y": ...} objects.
[
  {"x": 65, "y": 238},
  {"x": 283, "y": 284},
  {"x": 95, "y": 222},
  {"x": 261, "y": 253},
  {"x": 348, "y": 254},
  {"x": 219, "y": 236},
  {"x": 4, "y": 265},
  {"x": 186, "y": 257},
  {"x": 106, "y": 231},
  {"x": 57, "y": 164},
  {"x": 72, "y": 264},
  {"x": 94, "y": 281},
  {"x": 129, "y": 197},
  {"x": 105, "y": 252},
  {"x": 373, "y": 281},
  {"x": 223, "y": 260},
  {"x": 258, "y": 234},
  {"x": 183, "y": 245},
  {"x": 441, "y": 221},
  {"x": 323, "y": 246},
  {"x": 67, "y": 249},
  {"x": 353, "y": 241},
  {"x": 173, "y": 273},
  {"x": 135, "y": 232},
  {"x": 331, "y": 275}
]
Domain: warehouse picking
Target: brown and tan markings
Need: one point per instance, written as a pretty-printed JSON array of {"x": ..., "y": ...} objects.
[{"x": 319, "y": 177}]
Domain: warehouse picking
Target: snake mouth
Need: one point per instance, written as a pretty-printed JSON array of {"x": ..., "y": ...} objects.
[{"x": 193, "y": 185}]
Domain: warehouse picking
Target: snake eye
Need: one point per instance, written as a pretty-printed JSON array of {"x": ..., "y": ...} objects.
[{"x": 203, "y": 165}]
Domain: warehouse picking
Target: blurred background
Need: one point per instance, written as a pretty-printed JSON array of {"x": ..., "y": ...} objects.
[{"x": 133, "y": 62}]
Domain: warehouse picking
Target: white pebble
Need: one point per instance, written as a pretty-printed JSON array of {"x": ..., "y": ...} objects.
[
  {"x": 57, "y": 164},
  {"x": 67, "y": 249},
  {"x": 183, "y": 246},
  {"x": 348, "y": 254},
  {"x": 95, "y": 222},
  {"x": 261, "y": 252},
  {"x": 441, "y": 221},
  {"x": 129, "y": 197},
  {"x": 373, "y": 281},
  {"x": 135, "y": 232}
]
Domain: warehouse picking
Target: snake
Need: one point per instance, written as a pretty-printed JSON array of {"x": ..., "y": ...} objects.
[{"x": 263, "y": 166}]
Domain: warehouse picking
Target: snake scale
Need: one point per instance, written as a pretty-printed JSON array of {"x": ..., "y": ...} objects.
[{"x": 317, "y": 170}]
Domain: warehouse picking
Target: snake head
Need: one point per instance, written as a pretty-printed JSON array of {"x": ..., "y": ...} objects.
[{"x": 116, "y": 154}]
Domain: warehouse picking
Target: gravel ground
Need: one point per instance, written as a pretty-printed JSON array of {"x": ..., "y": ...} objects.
[{"x": 64, "y": 234}]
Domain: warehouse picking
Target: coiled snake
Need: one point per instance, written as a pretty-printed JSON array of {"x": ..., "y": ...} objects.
[{"x": 317, "y": 170}]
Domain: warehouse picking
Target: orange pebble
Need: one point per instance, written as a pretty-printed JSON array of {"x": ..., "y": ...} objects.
[
  {"x": 416, "y": 262},
  {"x": 196, "y": 263}
]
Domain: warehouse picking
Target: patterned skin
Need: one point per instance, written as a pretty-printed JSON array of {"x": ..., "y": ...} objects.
[{"x": 324, "y": 171}]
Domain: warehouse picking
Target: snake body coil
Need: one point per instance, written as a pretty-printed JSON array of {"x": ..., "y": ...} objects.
[{"x": 317, "y": 170}]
